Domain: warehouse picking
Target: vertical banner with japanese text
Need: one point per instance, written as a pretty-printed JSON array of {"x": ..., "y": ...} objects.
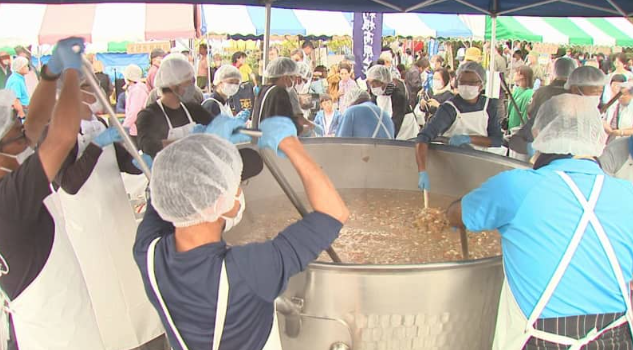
[{"x": 367, "y": 40}]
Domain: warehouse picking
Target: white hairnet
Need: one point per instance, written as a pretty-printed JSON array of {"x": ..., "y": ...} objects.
[
  {"x": 206, "y": 190},
  {"x": 19, "y": 63},
  {"x": 474, "y": 67},
  {"x": 380, "y": 73},
  {"x": 173, "y": 55},
  {"x": 563, "y": 67},
  {"x": 586, "y": 76},
  {"x": 133, "y": 73},
  {"x": 304, "y": 71},
  {"x": 569, "y": 124},
  {"x": 226, "y": 72},
  {"x": 282, "y": 66},
  {"x": 7, "y": 97},
  {"x": 173, "y": 71},
  {"x": 386, "y": 56},
  {"x": 354, "y": 95}
]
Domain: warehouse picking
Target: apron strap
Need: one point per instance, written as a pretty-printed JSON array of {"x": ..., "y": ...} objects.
[
  {"x": 261, "y": 106},
  {"x": 571, "y": 249},
  {"x": 5, "y": 311},
  {"x": 160, "y": 104},
  {"x": 152, "y": 280},
  {"x": 187, "y": 113},
  {"x": 221, "y": 307},
  {"x": 379, "y": 125}
]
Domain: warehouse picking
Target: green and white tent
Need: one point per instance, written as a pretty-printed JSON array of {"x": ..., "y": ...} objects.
[{"x": 563, "y": 31}]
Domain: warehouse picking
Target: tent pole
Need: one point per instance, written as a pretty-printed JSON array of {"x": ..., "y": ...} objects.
[
  {"x": 269, "y": 5},
  {"x": 208, "y": 64},
  {"x": 493, "y": 48}
]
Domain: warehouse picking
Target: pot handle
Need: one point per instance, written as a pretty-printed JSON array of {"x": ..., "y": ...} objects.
[{"x": 292, "y": 309}]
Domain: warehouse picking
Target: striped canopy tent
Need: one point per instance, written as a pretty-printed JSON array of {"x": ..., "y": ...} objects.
[
  {"x": 248, "y": 22},
  {"x": 33, "y": 24},
  {"x": 615, "y": 31}
]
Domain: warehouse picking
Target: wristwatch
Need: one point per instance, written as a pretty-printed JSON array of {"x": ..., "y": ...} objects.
[{"x": 45, "y": 76}]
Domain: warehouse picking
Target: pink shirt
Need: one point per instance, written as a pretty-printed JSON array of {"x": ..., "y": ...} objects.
[
  {"x": 135, "y": 102},
  {"x": 343, "y": 88},
  {"x": 151, "y": 75}
]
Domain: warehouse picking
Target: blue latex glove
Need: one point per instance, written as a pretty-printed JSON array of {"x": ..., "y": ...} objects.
[
  {"x": 147, "y": 159},
  {"x": 631, "y": 146},
  {"x": 226, "y": 127},
  {"x": 530, "y": 149},
  {"x": 66, "y": 55},
  {"x": 274, "y": 130},
  {"x": 199, "y": 129},
  {"x": 108, "y": 137},
  {"x": 423, "y": 181},
  {"x": 244, "y": 115},
  {"x": 458, "y": 140}
]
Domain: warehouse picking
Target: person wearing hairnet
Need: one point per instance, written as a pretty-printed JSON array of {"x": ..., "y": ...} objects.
[
  {"x": 136, "y": 96},
  {"x": 171, "y": 117},
  {"x": 226, "y": 80},
  {"x": 17, "y": 84},
  {"x": 208, "y": 294},
  {"x": 42, "y": 286},
  {"x": 565, "y": 237},
  {"x": 155, "y": 94},
  {"x": 467, "y": 118},
  {"x": 364, "y": 118},
  {"x": 278, "y": 96},
  {"x": 583, "y": 81},
  {"x": 388, "y": 93}
]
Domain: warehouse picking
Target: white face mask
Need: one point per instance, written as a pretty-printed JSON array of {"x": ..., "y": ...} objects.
[
  {"x": 95, "y": 107},
  {"x": 468, "y": 92},
  {"x": 230, "y": 89},
  {"x": 20, "y": 157},
  {"x": 6, "y": 170},
  {"x": 437, "y": 85},
  {"x": 232, "y": 222},
  {"x": 299, "y": 87},
  {"x": 378, "y": 91}
]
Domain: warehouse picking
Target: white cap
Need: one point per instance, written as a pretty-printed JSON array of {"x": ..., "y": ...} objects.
[
  {"x": 380, "y": 73},
  {"x": 226, "y": 72},
  {"x": 354, "y": 95},
  {"x": 569, "y": 124},
  {"x": 7, "y": 98},
  {"x": 280, "y": 67},
  {"x": 133, "y": 73},
  {"x": 173, "y": 71},
  {"x": 206, "y": 190},
  {"x": 19, "y": 63}
]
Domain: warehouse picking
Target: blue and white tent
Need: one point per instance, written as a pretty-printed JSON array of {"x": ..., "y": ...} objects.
[{"x": 249, "y": 22}]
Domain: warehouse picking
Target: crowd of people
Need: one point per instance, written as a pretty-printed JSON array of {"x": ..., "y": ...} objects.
[{"x": 67, "y": 248}]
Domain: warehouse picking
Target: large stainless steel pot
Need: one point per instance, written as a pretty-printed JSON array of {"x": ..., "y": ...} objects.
[{"x": 370, "y": 307}]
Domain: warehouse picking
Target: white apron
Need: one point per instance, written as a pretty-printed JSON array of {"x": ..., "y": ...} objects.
[
  {"x": 261, "y": 105},
  {"x": 101, "y": 227},
  {"x": 180, "y": 132},
  {"x": 626, "y": 171},
  {"x": 225, "y": 109},
  {"x": 274, "y": 340},
  {"x": 55, "y": 312},
  {"x": 514, "y": 329},
  {"x": 473, "y": 123},
  {"x": 380, "y": 125}
]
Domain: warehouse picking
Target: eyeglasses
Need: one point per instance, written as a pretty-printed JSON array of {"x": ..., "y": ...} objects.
[{"x": 21, "y": 136}]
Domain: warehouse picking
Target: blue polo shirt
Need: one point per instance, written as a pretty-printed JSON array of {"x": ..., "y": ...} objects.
[
  {"x": 17, "y": 84},
  {"x": 257, "y": 274},
  {"x": 537, "y": 213},
  {"x": 361, "y": 121}
]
